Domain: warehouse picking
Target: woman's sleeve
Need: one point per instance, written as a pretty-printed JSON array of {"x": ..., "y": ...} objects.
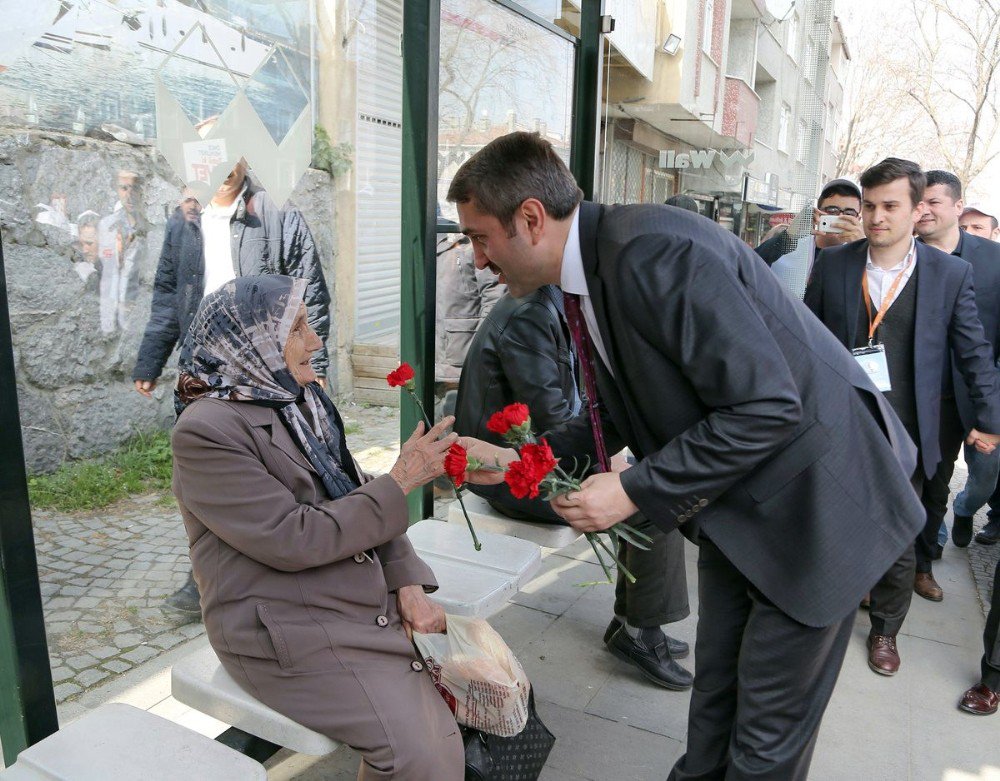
[{"x": 226, "y": 486}]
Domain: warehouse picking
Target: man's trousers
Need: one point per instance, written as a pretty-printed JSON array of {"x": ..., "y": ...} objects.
[{"x": 761, "y": 683}]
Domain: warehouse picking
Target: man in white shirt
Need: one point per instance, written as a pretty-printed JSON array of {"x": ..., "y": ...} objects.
[{"x": 904, "y": 309}]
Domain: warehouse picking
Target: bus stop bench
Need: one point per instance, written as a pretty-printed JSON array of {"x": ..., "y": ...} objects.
[
  {"x": 119, "y": 741},
  {"x": 472, "y": 583},
  {"x": 485, "y": 518}
]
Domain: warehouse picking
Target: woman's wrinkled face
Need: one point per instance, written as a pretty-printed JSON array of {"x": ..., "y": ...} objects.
[{"x": 302, "y": 342}]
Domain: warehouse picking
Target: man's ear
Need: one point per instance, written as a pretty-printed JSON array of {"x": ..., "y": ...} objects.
[{"x": 533, "y": 213}]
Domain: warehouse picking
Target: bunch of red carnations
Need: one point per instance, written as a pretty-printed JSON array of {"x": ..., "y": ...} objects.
[{"x": 537, "y": 473}]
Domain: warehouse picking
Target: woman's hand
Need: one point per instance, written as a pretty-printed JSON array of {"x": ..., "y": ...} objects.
[
  {"x": 489, "y": 455},
  {"x": 421, "y": 458},
  {"x": 419, "y": 613}
]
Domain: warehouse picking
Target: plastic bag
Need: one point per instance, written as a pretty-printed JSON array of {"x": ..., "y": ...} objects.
[{"x": 478, "y": 676}]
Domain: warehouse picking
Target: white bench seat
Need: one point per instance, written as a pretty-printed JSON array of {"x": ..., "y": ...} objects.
[
  {"x": 486, "y": 519},
  {"x": 118, "y": 741},
  {"x": 200, "y": 682},
  {"x": 474, "y": 583}
]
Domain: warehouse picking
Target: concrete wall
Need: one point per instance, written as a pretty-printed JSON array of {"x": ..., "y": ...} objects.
[{"x": 73, "y": 370}]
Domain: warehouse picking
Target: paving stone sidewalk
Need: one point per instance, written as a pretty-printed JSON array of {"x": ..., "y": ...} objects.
[{"x": 104, "y": 574}]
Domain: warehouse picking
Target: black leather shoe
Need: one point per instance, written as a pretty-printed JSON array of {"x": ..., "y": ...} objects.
[
  {"x": 186, "y": 601},
  {"x": 961, "y": 531},
  {"x": 678, "y": 648},
  {"x": 937, "y": 552},
  {"x": 990, "y": 535},
  {"x": 649, "y": 655}
]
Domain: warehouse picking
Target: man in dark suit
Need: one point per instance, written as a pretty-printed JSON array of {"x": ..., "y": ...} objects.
[
  {"x": 905, "y": 308},
  {"x": 756, "y": 434},
  {"x": 938, "y": 227}
]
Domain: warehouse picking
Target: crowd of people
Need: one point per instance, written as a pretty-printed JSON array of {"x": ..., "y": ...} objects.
[{"x": 796, "y": 412}]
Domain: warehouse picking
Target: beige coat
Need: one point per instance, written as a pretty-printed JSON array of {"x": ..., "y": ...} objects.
[{"x": 297, "y": 591}]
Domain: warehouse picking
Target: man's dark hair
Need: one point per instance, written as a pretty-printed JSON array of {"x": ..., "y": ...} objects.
[
  {"x": 509, "y": 170},
  {"x": 893, "y": 168},
  {"x": 949, "y": 180},
  {"x": 683, "y": 202}
]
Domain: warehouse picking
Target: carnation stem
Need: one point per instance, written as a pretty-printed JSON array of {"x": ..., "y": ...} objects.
[
  {"x": 458, "y": 495},
  {"x": 614, "y": 558},
  {"x": 600, "y": 559}
]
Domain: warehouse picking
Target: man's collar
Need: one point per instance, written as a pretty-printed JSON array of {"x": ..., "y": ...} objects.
[
  {"x": 912, "y": 251},
  {"x": 958, "y": 247},
  {"x": 571, "y": 276}
]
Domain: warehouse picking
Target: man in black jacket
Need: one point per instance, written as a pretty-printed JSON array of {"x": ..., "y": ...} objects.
[
  {"x": 522, "y": 353},
  {"x": 240, "y": 233},
  {"x": 939, "y": 228},
  {"x": 905, "y": 309},
  {"x": 756, "y": 434},
  {"x": 259, "y": 238}
]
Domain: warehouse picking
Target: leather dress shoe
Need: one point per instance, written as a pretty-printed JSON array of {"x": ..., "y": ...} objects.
[
  {"x": 990, "y": 535},
  {"x": 678, "y": 649},
  {"x": 883, "y": 657},
  {"x": 649, "y": 655},
  {"x": 925, "y": 586},
  {"x": 961, "y": 531},
  {"x": 980, "y": 700},
  {"x": 866, "y": 602},
  {"x": 938, "y": 552}
]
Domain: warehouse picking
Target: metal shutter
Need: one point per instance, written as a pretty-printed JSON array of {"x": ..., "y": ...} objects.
[{"x": 378, "y": 163}]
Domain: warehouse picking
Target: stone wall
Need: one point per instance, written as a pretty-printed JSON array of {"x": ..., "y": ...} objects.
[{"x": 74, "y": 362}]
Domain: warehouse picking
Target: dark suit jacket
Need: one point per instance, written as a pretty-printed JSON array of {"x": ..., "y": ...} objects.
[
  {"x": 946, "y": 320},
  {"x": 748, "y": 418},
  {"x": 984, "y": 257}
]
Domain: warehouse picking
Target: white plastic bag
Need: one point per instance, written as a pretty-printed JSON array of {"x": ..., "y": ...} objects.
[{"x": 478, "y": 676}]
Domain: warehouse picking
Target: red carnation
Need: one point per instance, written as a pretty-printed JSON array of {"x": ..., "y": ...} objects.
[
  {"x": 521, "y": 479},
  {"x": 513, "y": 416},
  {"x": 524, "y": 476},
  {"x": 455, "y": 464},
  {"x": 400, "y": 377}
]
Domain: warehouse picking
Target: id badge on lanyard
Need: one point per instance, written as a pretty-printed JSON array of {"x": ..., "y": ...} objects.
[{"x": 872, "y": 359}]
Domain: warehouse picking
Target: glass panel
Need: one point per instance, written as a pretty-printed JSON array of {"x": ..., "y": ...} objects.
[
  {"x": 120, "y": 123},
  {"x": 499, "y": 73}
]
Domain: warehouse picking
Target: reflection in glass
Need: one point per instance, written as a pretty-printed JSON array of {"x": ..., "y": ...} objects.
[{"x": 499, "y": 73}]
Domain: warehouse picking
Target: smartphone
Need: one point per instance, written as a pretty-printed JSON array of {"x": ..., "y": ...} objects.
[{"x": 826, "y": 223}]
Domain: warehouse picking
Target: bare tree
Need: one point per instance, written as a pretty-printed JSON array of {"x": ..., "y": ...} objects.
[
  {"x": 958, "y": 59},
  {"x": 925, "y": 86}
]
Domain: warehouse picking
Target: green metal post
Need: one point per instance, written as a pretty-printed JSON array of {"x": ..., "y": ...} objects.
[
  {"x": 421, "y": 39},
  {"x": 27, "y": 704},
  {"x": 586, "y": 94}
]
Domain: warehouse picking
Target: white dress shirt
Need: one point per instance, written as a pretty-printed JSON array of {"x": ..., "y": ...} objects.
[
  {"x": 572, "y": 280},
  {"x": 216, "y": 222},
  {"x": 880, "y": 280}
]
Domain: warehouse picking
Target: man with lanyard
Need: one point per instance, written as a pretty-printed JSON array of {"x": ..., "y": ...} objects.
[
  {"x": 903, "y": 308},
  {"x": 939, "y": 228}
]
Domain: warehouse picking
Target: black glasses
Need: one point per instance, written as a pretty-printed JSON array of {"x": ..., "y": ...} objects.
[{"x": 836, "y": 211}]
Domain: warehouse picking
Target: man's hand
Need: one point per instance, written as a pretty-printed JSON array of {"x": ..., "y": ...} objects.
[
  {"x": 850, "y": 228},
  {"x": 419, "y": 613},
  {"x": 599, "y": 504},
  {"x": 146, "y": 387},
  {"x": 984, "y": 443},
  {"x": 490, "y": 455}
]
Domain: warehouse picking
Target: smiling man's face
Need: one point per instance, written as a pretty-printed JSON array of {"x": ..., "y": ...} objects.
[{"x": 515, "y": 258}]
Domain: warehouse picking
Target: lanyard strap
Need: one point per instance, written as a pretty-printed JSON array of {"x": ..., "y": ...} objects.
[{"x": 886, "y": 300}]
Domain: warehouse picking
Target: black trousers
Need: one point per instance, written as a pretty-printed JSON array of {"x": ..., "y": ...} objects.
[
  {"x": 891, "y": 596},
  {"x": 762, "y": 681},
  {"x": 658, "y": 596},
  {"x": 991, "y": 638},
  {"x": 938, "y": 488}
]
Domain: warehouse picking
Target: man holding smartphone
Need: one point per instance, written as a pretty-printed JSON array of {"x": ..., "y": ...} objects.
[{"x": 835, "y": 220}]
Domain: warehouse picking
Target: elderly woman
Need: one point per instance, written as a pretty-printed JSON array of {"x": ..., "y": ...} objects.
[{"x": 309, "y": 586}]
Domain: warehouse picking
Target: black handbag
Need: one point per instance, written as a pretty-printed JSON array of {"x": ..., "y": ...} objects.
[{"x": 520, "y": 758}]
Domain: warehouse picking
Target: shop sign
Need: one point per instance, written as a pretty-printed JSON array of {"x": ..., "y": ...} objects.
[{"x": 705, "y": 158}]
